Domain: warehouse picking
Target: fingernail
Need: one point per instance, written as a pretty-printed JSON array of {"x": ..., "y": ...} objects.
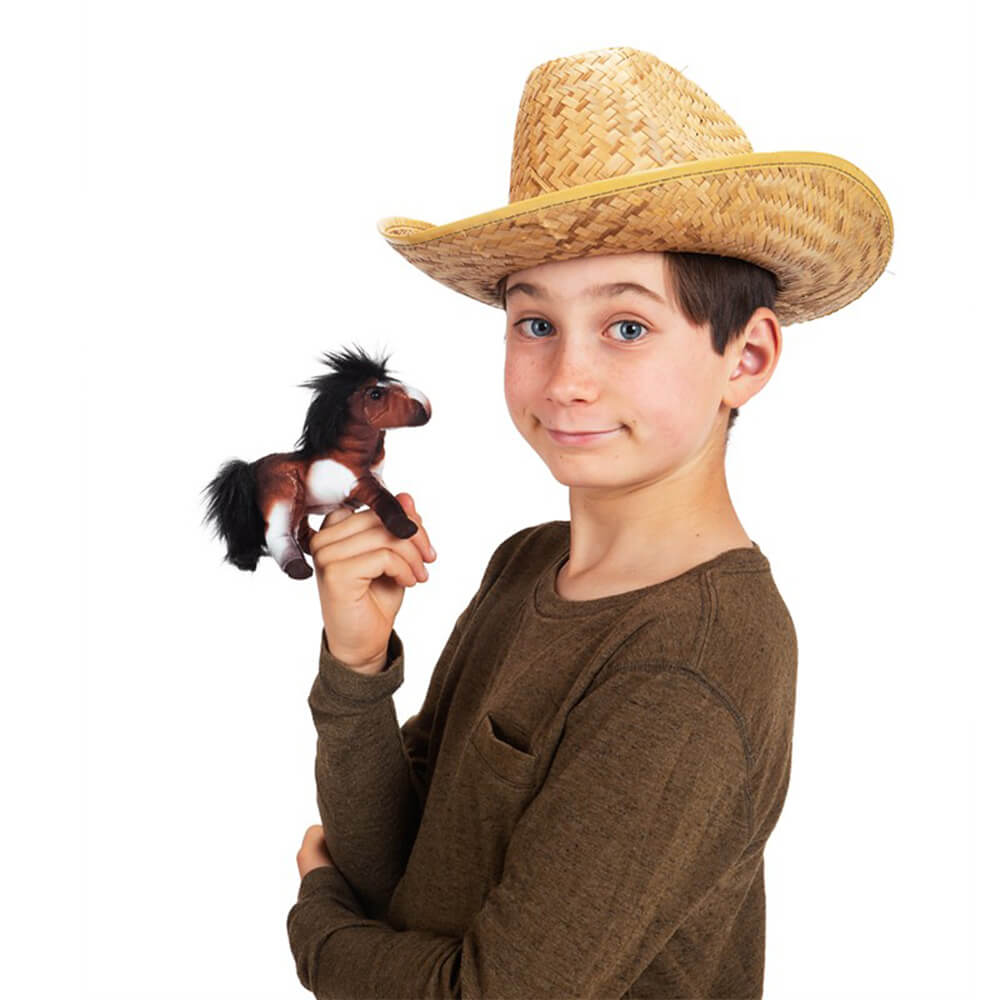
[{"x": 433, "y": 552}]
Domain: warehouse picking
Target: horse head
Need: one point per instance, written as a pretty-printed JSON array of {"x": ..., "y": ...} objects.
[{"x": 358, "y": 394}]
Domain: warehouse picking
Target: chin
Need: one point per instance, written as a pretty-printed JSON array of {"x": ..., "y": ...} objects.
[{"x": 576, "y": 481}]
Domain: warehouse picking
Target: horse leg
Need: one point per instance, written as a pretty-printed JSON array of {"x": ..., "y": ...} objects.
[
  {"x": 305, "y": 533},
  {"x": 299, "y": 569},
  {"x": 281, "y": 515},
  {"x": 371, "y": 492}
]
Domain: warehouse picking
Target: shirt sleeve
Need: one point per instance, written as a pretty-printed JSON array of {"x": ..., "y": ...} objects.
[
  {"x": 644, "y": 809},
  {"x": 371, "y": 774}
]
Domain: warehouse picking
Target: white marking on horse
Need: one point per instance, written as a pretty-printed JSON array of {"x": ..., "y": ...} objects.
[
  {"x": 327, "y": 484},
  {"x": 278, "y": 535}
]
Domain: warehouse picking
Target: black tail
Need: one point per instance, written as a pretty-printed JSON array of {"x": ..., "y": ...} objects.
[{"x": 232, "y": 505}]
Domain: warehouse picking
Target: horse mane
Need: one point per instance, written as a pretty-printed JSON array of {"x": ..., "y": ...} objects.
[{"x": 327, "y": 415}]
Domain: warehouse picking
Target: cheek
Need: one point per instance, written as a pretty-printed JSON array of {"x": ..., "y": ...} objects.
[
  {"x": 509, "y": 380},
  {"x": 516, "y": 380},
  {"x": 667, "y": 407}
]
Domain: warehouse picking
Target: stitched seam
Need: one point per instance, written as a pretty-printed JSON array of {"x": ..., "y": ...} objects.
[
  {"x": 609, "y": 666},
  {"x": 655, "y": 183},
  {"x": 659, "y": 667}
]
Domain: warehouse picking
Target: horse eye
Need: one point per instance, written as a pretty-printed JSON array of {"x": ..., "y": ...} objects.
[{"x": 374, "y": 393}]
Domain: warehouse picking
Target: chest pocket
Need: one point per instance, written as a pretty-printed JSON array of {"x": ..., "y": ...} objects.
[{"x": 504, "y": 749}]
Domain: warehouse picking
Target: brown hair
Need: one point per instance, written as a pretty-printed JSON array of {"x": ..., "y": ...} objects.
[{"x": 723, "y": 291}]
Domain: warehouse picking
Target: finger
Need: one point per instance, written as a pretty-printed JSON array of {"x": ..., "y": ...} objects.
[
  {"x": 341, "y": 522},
  {"x": 421, "y": 538},
  {"x": 356, "y": 532},
  {"x": 340, "y": 513},
  {"x": 360, "y": 570},
  {"x": 373, "y": 540}
]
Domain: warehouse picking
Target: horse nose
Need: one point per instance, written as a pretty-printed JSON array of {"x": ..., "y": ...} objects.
[{"x": 418, "y": 397}]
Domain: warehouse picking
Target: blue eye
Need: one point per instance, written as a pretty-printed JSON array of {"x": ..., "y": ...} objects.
[
  {"x": 630, "y": 322},
  {"x": 532, "y": 320},
  {"x": 627, "y": 338}
]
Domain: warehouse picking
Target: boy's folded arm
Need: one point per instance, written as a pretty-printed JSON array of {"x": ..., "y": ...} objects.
[
  {"x": 363, "y": 787},
  {"x": 644, "y": 809},
  {"x": 371, "y": 774}
]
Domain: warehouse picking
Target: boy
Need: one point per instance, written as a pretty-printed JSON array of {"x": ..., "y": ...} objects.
[{"x": 581, "y": 805}]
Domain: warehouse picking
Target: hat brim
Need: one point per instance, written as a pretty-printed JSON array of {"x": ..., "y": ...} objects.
[{"x": 815, "y": 220}]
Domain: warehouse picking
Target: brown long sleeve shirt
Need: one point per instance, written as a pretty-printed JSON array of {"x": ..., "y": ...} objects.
[{"x": 581, "y": 805}]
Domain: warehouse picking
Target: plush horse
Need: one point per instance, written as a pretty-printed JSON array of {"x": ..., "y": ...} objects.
[{"x": 260, "y": 508}]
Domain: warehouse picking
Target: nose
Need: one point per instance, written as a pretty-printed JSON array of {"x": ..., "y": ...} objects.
[
  {"x": 418, "y": 397},
  {"x": 573, "y": 373}
]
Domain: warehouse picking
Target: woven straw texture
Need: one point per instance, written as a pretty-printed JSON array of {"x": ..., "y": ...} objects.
[{"x": 615, "y": 151}]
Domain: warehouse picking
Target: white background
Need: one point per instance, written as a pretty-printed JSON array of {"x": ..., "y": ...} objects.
[{"x": 189, "y": 199}]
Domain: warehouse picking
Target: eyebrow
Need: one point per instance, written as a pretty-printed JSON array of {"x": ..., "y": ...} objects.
[{"x": 593, "y": 292}]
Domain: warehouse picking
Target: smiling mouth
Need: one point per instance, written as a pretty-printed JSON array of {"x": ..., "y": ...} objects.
[{"x": 579, "y": 437}]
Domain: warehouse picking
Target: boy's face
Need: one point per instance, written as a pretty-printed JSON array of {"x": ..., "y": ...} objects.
[{"x": 627, "y": 364}]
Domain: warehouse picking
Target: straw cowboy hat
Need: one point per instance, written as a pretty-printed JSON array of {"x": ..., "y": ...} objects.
[{"x": 615, "y": 151}]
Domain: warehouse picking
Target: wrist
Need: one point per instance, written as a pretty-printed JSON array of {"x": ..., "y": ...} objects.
[
  {"x": 367, "y": 667},
  {"x": 371, "y": 668}
]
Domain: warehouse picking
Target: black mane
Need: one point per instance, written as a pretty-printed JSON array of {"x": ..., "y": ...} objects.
[{"x": 327, "y": 414}]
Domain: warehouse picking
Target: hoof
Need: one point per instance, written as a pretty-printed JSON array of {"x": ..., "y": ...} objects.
[
  {"x": 298, "y": 569},
  {"x": 401, "y": 527}
]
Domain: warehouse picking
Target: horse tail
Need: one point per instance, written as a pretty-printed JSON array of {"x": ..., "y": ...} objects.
[{"x": 233, "y": 507}]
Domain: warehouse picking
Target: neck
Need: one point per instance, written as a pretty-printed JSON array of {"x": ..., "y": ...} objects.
[
  {"x": 679, "y": 518},
  {"x": 361, "y": 443}
]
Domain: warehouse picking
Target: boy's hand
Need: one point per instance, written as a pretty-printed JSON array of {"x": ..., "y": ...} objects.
[
  {"x": 313, "y": 853},
  {"x": 362, "y": 571}
]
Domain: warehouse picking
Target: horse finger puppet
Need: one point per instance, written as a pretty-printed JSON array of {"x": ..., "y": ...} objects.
[{"x": 260, "y": 508}]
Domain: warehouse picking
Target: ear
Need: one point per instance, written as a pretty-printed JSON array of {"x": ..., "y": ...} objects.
[{"x": 752, "y": 357}]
